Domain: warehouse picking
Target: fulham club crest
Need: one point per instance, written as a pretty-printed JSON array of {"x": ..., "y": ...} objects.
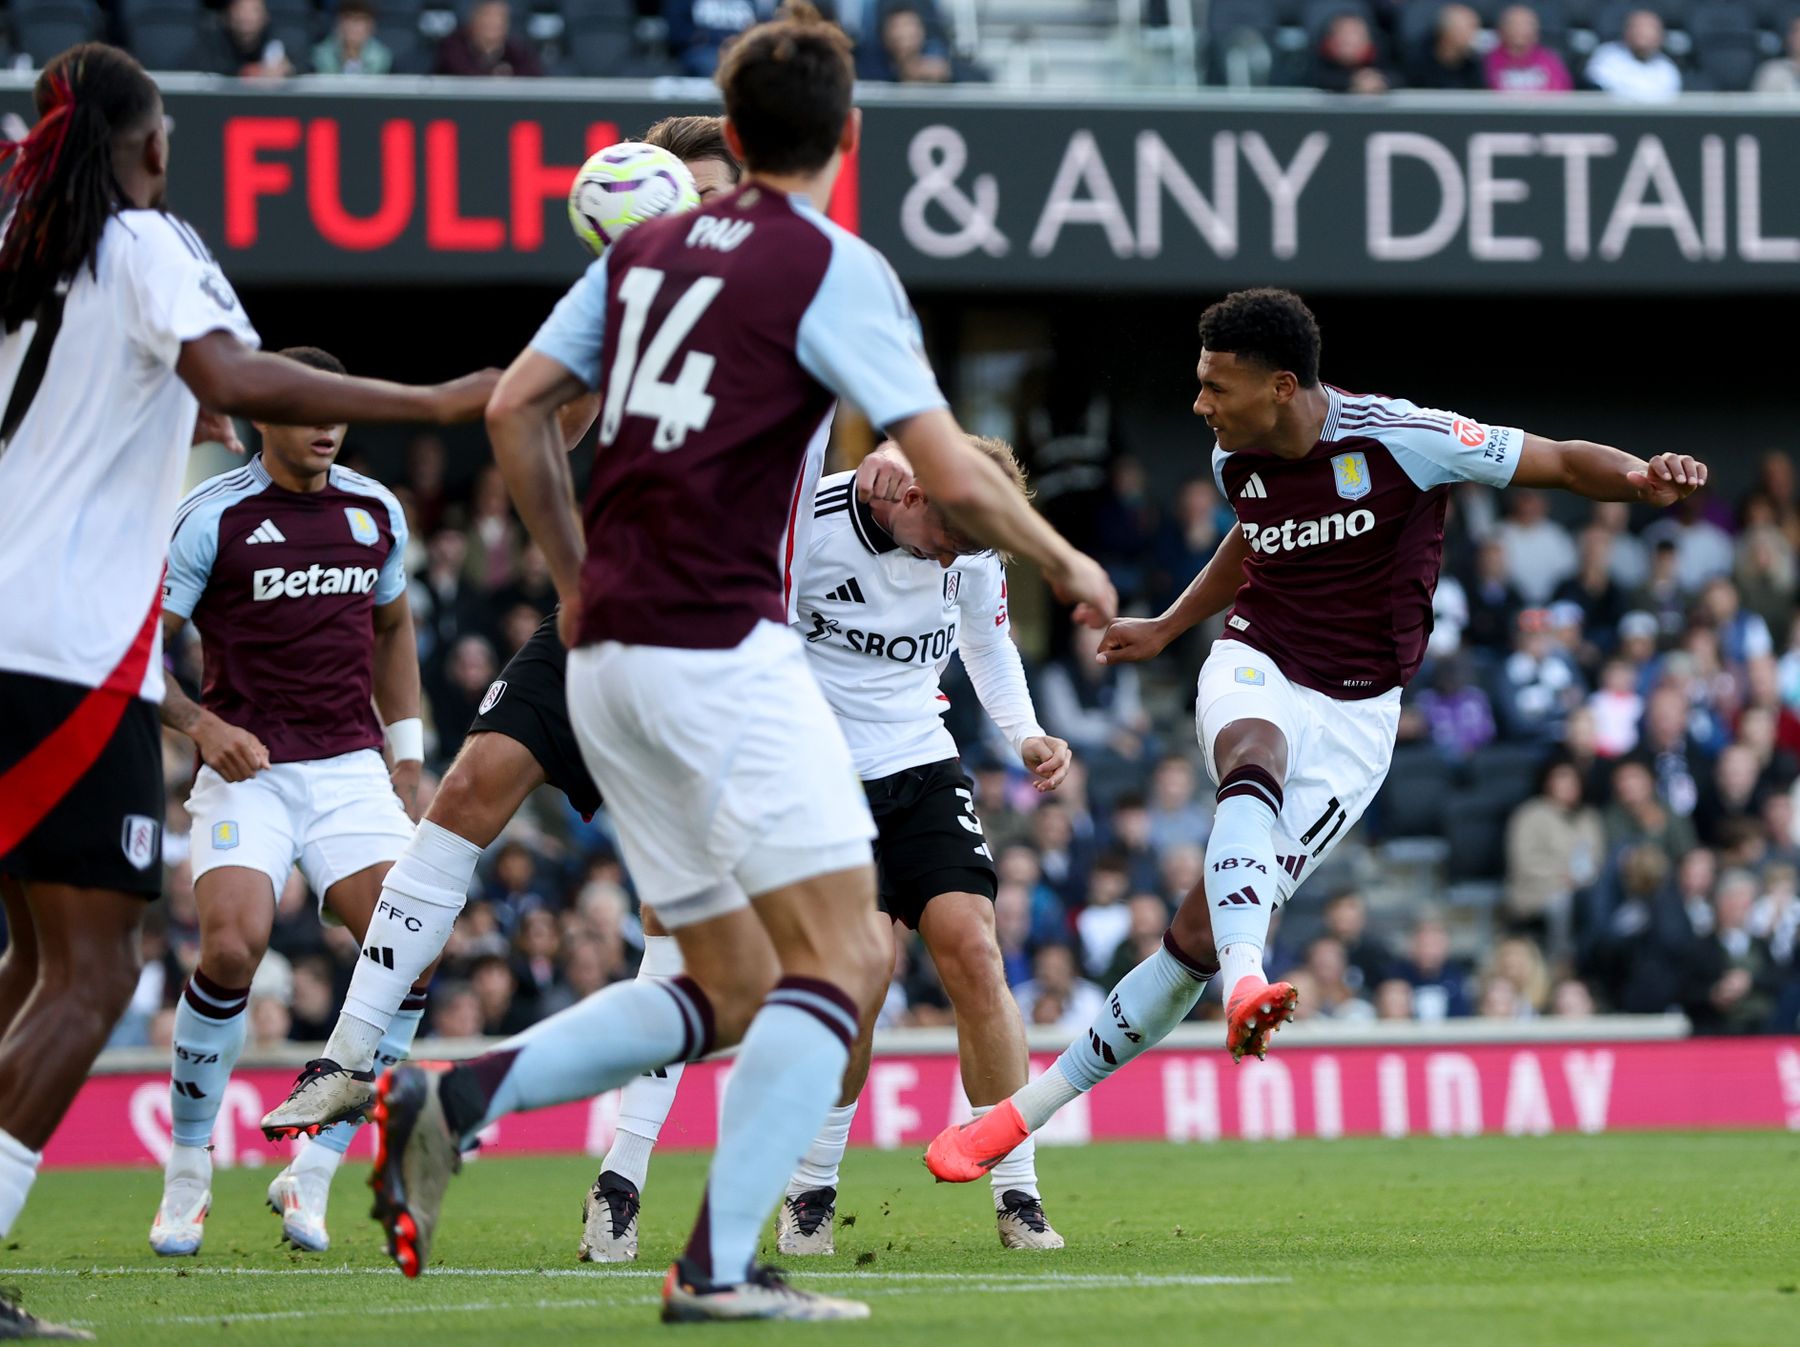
[
  {"x": 952, "y": 583},
  {"x": 137, "y": 839},
  {"x": 496, "y": 690}
]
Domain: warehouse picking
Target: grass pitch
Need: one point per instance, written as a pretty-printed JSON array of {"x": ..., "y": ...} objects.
[{"x": 1628, "y": 1240}]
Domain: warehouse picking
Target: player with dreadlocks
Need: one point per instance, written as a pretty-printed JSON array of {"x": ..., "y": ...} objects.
[{"x": 118, "y": 328}]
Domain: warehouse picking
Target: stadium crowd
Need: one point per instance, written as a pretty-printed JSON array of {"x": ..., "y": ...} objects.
[
  {"x": 1607, "y": 730},
  {"x": 1644, "y": 50}
]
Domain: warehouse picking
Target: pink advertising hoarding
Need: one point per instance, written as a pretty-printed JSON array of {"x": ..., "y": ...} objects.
[{"x": 1176, "y": 1095}]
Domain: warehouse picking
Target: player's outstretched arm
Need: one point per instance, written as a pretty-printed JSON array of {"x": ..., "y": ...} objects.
[
  {"x": 228, "y": 376},
  {"x": 982, "y": 504},
  {"x": 397, "y": 695},
  {"x": 235, "y": 754},
  {"x": 1601, "y": 472},
  {"x": 523, "y": 423},
  {"x": 1132, "y": 640}
]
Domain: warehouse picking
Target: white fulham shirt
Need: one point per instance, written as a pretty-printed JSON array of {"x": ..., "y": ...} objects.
[
  {"x": 91, "y": 471},
  {"x": 880, "y": 625}
]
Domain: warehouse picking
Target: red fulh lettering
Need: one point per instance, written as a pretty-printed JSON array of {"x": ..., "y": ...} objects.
[
  {"x": 324, "y": 188},
  {"x": 535, "y": 182},
  {"x": 446, "y": 228},
  {"x": 845, "y": 206},
  {"x": 248, "y": 176}
]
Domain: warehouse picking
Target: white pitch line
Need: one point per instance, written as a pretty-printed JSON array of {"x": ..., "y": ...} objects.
[
  {"x": 359, "y": 1312},
  {"x": 979, "y": 1280}
]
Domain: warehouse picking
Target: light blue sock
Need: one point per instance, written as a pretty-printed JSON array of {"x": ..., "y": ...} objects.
[
  {"x": 597, "y": 1044},
  {"x": 396, "y": 1043},
  {"x": 209, "y": 1034},
  {"x": 789, "y": 1071},
  {"x": 1242, "y": 887}
]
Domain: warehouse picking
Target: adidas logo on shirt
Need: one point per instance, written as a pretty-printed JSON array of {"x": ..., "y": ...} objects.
[
  {"x": 848, "y": 592},
  {"x": 266, "y": 532},
  {"x": 1254, "y": 489}
]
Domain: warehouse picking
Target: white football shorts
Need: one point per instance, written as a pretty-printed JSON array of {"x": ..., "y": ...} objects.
[
  {"x": 725, "y": 770},
  {"x": 333, "y": 817},
  {"x": 1338, "y": 751}
]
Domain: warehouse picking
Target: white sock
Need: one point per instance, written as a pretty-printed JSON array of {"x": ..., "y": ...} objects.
[
  {"x": 420, "y": 898},
  {"x": 645, "y": 1102},
  {"x": 393, "y": 1048},
  {"x": 818, "y": 1168},
  {"x": 790, "y": 1068},
  {"x": 597, "y": 1044},
  {"x": 1018, "y": 1171},
  {"x": 209, "y": 1034},
  {"x": 18, "y": 1171},
  {"x": 1149, "y": 1001},
  {"x": 320, "y": 1156},
  {"x": 188, "y": 1162},
  {"x": 1241, "y": 887}
]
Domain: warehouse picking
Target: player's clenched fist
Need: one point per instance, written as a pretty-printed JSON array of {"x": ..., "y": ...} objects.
[
  {"x": 1667, "y": 478},
  {"x": 1081, "y": 581},
  {"x": 235, "y": 754},
  {"x": 1131, "y": 640}
]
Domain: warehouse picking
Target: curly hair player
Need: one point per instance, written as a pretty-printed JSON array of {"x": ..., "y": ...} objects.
[{"x": 1340, "y": 500}]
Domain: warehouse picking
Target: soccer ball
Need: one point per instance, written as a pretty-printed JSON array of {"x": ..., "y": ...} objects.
[{"x": 624, "y": 185}]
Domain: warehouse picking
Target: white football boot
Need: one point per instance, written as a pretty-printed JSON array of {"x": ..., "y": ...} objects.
[
  {"x": 688, "y": 1299},
  {"x": 609, "y": 1218},
  {"x": 299, "y": 1196},
  {"x": 804, "y": 1222},
  {"x": 187, "y": 1197},
  {"x": 1023, "y": 1224}
]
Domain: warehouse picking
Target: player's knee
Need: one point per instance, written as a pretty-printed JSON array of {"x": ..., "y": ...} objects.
[
  {"x": 1250, "y": 743},
  {"x": 1192, "y": 935},
  {"x": 231, "y": 959},
  {"x": 969, "y": 965},
  {"x": 868, "y": 964}
]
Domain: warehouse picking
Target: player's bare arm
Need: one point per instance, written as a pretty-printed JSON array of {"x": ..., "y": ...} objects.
[
  {"x": 981, "y": 503},
  {"x": 575, "y": 419},
  {"x": 397, "y": 691},
  {"x": 233, "y": 753},
  {"x": 1131, "y": 640},
  {"x": 217, "y": 428},
  {"x": 231, "y": 377},
  {"x": 884, "y": 474},
  {"x": 523, "y": 424},
  {"x": 1601, "y": 472}
]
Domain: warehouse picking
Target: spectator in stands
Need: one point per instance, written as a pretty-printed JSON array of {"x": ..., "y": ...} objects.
[
  {"x": 1348, "y": 59},
  {"x": 1367, "y": 957},
  {"x": 1675, "y": 757},
  {"x": 1187, "y": 541},
  {"x": 1521, "y": 63},
  {"x": 457, "y": 694},
  {"x": 1458, "y": 714},
  {"x": 1522, "y": 964},
  {"x": 313, "y": 1000},
  {"x": 1703, "y": 549},
  {"x": 1554, "y": 846},
  {"x": 1104, "y": 920},
  {"x": 908, "y": 53},
  {"x": 1540, "y": 555},
  {"x": 495, "y": 537},
  {"x": 1776, "y": 916},
  {"x": 484, "y": 44},
  {"x": 513, "y": 892},
  {"x": 1592, "y": 588},
  {"x": 1129, "y": 836},
  {"x": 1065, "y": 860},
  {"x": 1177, "y": 818},
  {"x": 1732, "y": 978},
  {"x": 1012, "y": 927},
  {"x": 1494, "y": 603},
  {"x": 1630, "y": 557},
  {"x": 445, "y": 606},
  {"x": 1394, "y": 1000},
  {"x": 353, "y": 48},
  {"x": 1635, "y": 814},
  {"x": 1730, "y": 805},
  {"x": 1149, "y": 918},
  {"x": 1765, "y": 570},
  {"x": 242, "y": 42},
  {"x": 1098, "y": 708},
  {"x": 1572, "y": 999},
  {"x": 1125, "y": 525},
  {"x": 1055, "y": 983},
  {"x": 1440, "y": 984},
  {"x": 1617, "y": 707},
  {"x": 1539, "y": 683},
  {"x": 1743, "y": 636},
  {"x": 1781, "y": 75},
  {"x": 1634, "y": 66},
  {"x": 1449, "y": 60},
  {"x": 997, "y": 803},
  {"x": 1335, "y": 999},
  {"x": 455, "y": 1011},
  {"x": 1499, "y": 1000},
  {"x": 536, "y": 946},
  {"x": 700, "y": 29},
  {"x": 1665, "y": 591},
  {"x": 502, "y": 1013}
]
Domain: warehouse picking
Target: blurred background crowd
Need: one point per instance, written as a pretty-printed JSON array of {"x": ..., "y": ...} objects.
[
  {"x": 1592, "y": 806},
  {"x": 1644, "y": 50}
]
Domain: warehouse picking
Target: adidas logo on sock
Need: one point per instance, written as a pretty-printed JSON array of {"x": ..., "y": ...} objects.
[
  {"x": 380, "y": 954},
  {"x": 266, "y": 532},
  {"x": 848, "y": 592}
]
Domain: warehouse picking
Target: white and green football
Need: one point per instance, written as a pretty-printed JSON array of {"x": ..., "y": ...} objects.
[{"x": 624, "y": 185}]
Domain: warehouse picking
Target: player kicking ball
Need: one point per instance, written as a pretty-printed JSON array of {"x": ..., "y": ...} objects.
[
  {"x": 292, "y": 568},
  {"x": 886, "y": 590},
  {"x": 1329, "y": 576},
  {"x": 719, "y": 343},
  {"x": 520, "y": 739}
]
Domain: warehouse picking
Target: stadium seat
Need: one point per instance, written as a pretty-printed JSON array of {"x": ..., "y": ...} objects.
[
  {"x": 1475, "y": 827},
  {"x": 1509, "y": 768},
  {"x": 1554, "y": 22},
  {"x": 161, "y": 33},
  {"x": 1412, "y": 799},
  {"x": 599, "y": 44},
  {"x": 1609, "y": 20},
  {"x": 1726, "y": 50},
  {"x": 1240, "y": 42},
  {"x": 42, "y": 28}
]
